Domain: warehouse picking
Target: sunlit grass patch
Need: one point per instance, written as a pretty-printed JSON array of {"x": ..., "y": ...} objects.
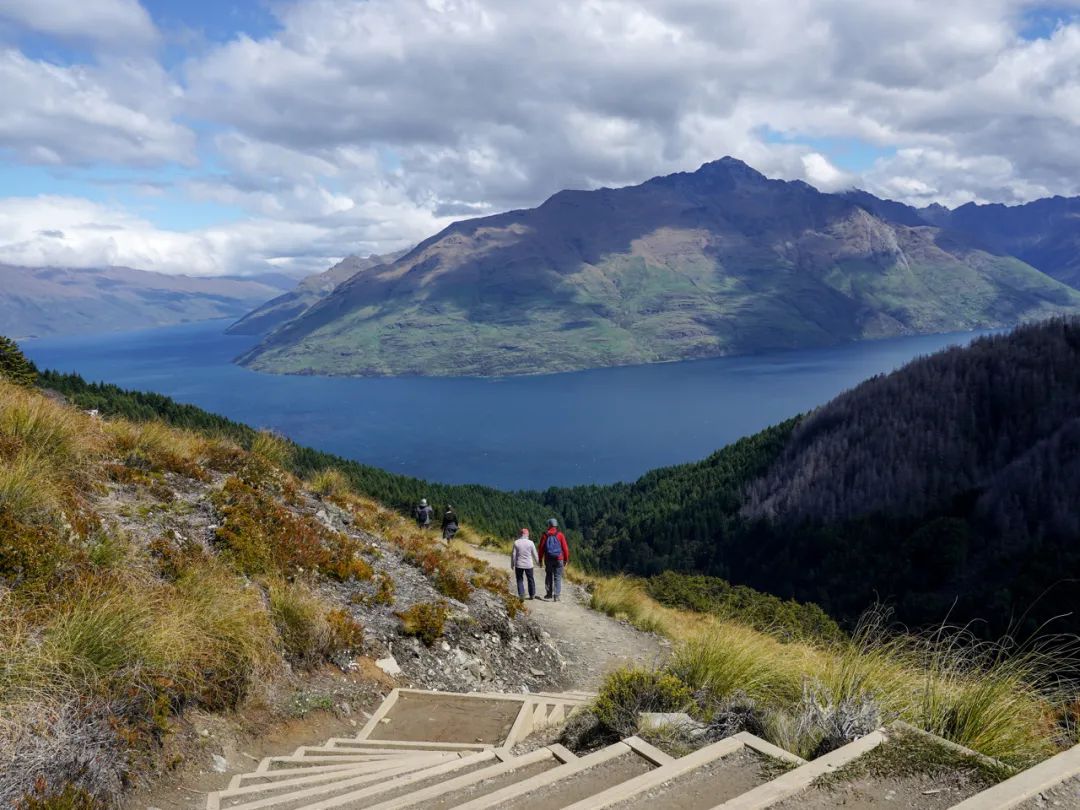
[
  {"x": 1000, "y": 699},
  {"x": 329, "y": 483}
]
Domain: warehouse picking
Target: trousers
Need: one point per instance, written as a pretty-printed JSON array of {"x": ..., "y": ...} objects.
[
  {"x": 523, "y": 574},
  {"x": 553, "y": 577}
]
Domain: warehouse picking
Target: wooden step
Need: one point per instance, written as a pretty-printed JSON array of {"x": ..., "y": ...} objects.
[
  {"x": 457, "y": 791},
  {"x": 416, "y": 715},
  {"x": 1027, "y": 785},
  {"x": 703, "y": 787},
  {"x": 352, "y": 743},
  {"x": 365, "y": 784},
  {"x": 674, "y": 770},
  {"x": 797, "y": 780},
  {"x": 239, "y": 791},
  {"x": 259, "y": 777},
  {"x": 591, "y": 772}
]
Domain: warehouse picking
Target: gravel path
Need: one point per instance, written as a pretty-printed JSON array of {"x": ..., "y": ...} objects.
[{"x": 592, "y": 643}]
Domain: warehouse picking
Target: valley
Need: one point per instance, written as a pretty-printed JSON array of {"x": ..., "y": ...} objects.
[{"x": 499, "y": 432}]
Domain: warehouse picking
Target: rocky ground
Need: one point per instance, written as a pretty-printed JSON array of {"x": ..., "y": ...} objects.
[{"x": 482, "y": 647}]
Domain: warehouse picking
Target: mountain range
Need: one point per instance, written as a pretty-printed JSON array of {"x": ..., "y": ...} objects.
[
  {"x": 718, "y": 261},
  {"x": 41, "y": 301},
  {"x": 300, "y": 298}
]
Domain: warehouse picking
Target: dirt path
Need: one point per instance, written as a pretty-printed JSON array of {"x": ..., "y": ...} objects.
[{"x": 592, "y": 643}]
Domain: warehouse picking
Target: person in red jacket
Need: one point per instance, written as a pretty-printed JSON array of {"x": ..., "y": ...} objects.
[{"x": 554, "y": 555}]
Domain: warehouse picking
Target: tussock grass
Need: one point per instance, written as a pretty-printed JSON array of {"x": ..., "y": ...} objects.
[
  {"x": 272, "y": 448},
  {"x": 202, "y": 639},
  {"x": 44, "y": 450},
  {"x": 29, "y": 491},
  {"x": 1000, "y": 699},
  {"x": 60, "y": 436},
  {"x": 300, "y": 618},
  {"x": 329, "y": 483}
]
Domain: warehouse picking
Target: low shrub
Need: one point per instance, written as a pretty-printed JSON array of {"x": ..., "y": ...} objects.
[
  {"x": 60, "y": 751},
  {"x": 67, "y": 798},
  {"x": 175, "y": 557},
  {"x": 453, "y": 581},
  {"x": 628, "y": 692},
  {"x": 346, "y": 633},
  {"x": 155, "y": 447},
  {"x": 261, "y": 537},
  {"x": 384, "y": 592},
  {"x": 32, "y": 555},
  {"x": 425, "y": 621},
  {"x": 300, "y": 619}
]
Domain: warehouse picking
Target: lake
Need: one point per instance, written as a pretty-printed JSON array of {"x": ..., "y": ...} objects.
[{"x": 520, "y": 432}]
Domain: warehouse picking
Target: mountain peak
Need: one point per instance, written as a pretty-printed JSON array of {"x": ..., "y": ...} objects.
[{"x": 733, "y": 167}]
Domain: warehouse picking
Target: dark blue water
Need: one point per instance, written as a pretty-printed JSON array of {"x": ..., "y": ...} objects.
[{"x": 522, "y": 432}]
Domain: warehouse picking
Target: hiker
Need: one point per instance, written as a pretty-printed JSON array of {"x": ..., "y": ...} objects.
[
  {"x": 522, "y": 559},
  {"x": 554, "y": 555},
  {"x": 424, "y": 514},
  {"x": 449, "y": 524}
]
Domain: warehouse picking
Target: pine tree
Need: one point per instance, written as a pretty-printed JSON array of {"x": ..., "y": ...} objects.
[{"x": 14, "y": 366}]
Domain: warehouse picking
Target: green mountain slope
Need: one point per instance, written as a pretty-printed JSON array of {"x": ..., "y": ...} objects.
[
  {"x": 718, "y": 261},
  {"x": 311, "y": 290}
]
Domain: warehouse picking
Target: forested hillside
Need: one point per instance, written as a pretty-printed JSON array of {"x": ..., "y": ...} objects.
[{"x": 946, "y": 488}]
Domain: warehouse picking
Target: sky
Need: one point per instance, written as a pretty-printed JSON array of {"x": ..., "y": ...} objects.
[{"x": 217, "y": 137}]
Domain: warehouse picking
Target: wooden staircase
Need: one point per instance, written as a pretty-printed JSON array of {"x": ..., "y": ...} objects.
[{"x": 470, "y": 766}]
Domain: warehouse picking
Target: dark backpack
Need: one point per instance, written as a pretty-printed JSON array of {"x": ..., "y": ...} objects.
[{"x": 552, "y": 546}]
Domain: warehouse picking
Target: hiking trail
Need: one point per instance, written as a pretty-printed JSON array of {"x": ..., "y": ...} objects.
[{"x": 592, "y": 643}]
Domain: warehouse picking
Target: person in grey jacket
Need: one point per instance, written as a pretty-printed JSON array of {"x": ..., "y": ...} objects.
[
  {"x": 424, "y": 514},
  {"x": 522, "y": 559}
]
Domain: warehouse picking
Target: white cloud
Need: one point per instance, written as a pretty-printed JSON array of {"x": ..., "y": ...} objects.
[
  {"x": 116, "y": 24},
  {"x": 364, "y": 126},
  {"x": 74, "y": 232},
  {"x": 119, "y": 111}
]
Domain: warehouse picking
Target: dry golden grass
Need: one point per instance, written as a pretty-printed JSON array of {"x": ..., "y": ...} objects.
[
  {"x": 272, "y": 448},
  {"x": 45, "y": 453},
  {"x": 203, "y": 639},
  {"x": 990, "y": 697},
  {"x": 329, "y": 483}
]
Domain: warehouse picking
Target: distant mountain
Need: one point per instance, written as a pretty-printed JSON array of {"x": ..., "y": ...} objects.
[
  {"x": 301, "y": 297},
  {"x": 947, "y": 488},
  {"x": 1044, "y": 233},
  {"x": 39, "y": 301},
  {"x": 713, "y": 262}
]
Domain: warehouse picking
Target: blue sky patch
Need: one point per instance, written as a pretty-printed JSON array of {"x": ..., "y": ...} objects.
[{"x": 849, "y": 154}]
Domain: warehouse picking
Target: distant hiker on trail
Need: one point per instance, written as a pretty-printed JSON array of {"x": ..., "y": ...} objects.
[
  {"x": 522, "y": 559},
  {"x": 449, "y": 523},
  {"x": 424, "y": 514},
  {"x": 554, "y": 555}
]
